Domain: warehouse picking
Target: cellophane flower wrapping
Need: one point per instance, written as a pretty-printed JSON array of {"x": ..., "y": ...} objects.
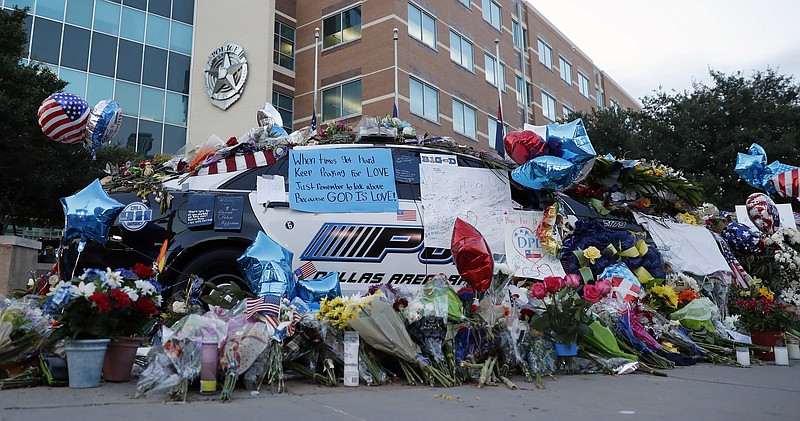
[
  {"x": 23, "y": 329},
  {"x": 380, "y": 326},
  {"x": 427, "y": 314}
]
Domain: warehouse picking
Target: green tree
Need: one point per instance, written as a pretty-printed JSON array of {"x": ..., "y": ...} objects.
[
  {"x": 34, "y": 170},
  {"x": 700, "y": 131}
]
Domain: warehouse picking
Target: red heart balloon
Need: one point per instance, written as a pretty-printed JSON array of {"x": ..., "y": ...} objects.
[
  {"x": 472, "y": 256},
  {"x": 524, "y": 146}
]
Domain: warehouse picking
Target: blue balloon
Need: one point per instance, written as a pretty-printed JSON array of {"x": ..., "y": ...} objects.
[
  {"x": 752, "y": 167},
  {"x": 575, "y": 146},
  {"x": 266, "y": 266},
  {"x": 314, "y": 290},
  {"x": 90, "y": 213},
  {"x": 545, "y": 173},
  {"x": 742, "y": 239},
  {"x": 104, "y": 122},
  {"x": 277, "y": 129}
]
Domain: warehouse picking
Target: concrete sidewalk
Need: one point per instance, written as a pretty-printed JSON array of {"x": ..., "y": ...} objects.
[{"x": 706, "y": 392}]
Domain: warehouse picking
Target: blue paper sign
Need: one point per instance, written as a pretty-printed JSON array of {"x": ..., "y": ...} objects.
[
  {"x": 342, "y": 180},
  {"x": 201, "y": 210},
  {"x": 228, "y": 212},
  {"x": 406, "y": 169}
]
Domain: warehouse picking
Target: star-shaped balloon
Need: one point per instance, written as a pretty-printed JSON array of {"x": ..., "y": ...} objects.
[
  {"x": 314, "y": 290},
  {"x": 266, "y": 266},
  {"x": 90, "y": 213},
  {"x": 471, "y": 255}
]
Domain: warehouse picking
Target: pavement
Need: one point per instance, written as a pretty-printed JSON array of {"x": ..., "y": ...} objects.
[{"x": 702, "y": 392}]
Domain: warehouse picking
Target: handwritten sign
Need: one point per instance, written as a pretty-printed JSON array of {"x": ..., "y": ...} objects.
[
  {"x": 342, "y": 180},
  {"x": 201, "y": 210},
  {"x": 406, "y": 169},
  {"x": 270, "y": 188},
  {"x": 228, "y": 212},
  {"x": 523, "y": 250},
  {"x": 477, "y": 195}
]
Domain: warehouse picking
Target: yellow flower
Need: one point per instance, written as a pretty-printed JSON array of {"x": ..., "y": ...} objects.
[
  {"x": 667, "y": 293},
  {"x": 766, "y": 293},
  {"x": 669, "y": 346},
  {"x": 591, "y": 253},
  {"x": 659, "y": 172},
  {"x": 688, "y": 218}
]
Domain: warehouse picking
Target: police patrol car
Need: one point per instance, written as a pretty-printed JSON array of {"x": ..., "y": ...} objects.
[{"x": 364, "y": 248}]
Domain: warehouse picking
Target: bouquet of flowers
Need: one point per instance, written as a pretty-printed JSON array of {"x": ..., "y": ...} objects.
[
  {"x": 23, "y": 329},
  {"x": 763, "y": 315},
  {"x": 103, "y": 303},
  {"x": 564, "y": 312}
]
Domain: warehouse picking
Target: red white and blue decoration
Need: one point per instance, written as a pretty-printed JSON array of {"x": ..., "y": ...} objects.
[
  {"x": 763, "y": 212},
  {"x": 742, "y": 239},
  {"x": 63, "y": 118},
  {"x": 773, "y": 178}
]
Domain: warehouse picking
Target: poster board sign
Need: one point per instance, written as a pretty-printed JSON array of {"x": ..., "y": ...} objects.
[
  {"x": 270, "y": 188},
  {"x": 523, "y": 250},
  {"x": 201, "y": 210},
  {"x": 228, "y": 212},
  {"x": 342, "y": 180},
  {"x": 784, "y": 210},
  {"x": 480, "y": 196}
]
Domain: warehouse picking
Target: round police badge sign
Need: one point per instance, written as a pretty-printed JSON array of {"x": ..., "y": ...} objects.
[
  {"x": 226, "y": 74},
  {"x": 135, "y": 216}
]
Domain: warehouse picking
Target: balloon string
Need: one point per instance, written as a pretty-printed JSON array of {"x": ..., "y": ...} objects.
[{"x": 76, "y": 264}]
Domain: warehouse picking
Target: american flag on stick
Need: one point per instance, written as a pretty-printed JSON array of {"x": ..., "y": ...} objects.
[
  {"x": 269, "y": 304},
  {"x": 306, "y": 270}
]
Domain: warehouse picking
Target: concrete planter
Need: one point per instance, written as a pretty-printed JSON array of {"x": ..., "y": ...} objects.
[{"x": 17, "y": 257}]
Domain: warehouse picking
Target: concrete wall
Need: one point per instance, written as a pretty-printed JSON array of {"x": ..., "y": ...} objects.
[
  {"x": 17, "y": 257},
  {"x": 250, "y": 24}
]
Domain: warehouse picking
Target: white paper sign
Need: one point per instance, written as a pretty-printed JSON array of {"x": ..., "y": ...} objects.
[
  {"x": 784, "y": 211},
  {"x": 477, "y": 195},
  {"x": 437, "y": 159},
  {"x": 523, "y": 250},
  {"x": 270, "y": 188}
]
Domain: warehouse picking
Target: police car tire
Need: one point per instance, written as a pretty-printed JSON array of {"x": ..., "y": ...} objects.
[{"x": 218, "y": 267}]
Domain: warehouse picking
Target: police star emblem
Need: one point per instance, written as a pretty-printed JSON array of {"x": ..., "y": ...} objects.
[{"x": 226, "y": 74}]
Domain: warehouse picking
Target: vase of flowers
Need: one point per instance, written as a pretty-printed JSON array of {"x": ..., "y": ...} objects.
[
  {"x": 96, "y": 306},
  {"x": 765, "y": 319}
]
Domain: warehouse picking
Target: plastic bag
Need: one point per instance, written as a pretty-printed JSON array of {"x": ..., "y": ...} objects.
[
  {"x": 698, "y": 314},
  {"x": 435, "y": 298},
  {"x": 23, "y": 329},
  {"x": 212, "y": 145}
]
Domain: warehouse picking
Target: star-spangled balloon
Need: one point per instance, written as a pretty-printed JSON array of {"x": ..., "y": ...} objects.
[
  {"x": 63, "y": 117},
  {"x": 266, "y": 265},
  {"x": 742, "y": 239},
  {"x": 90, "y": 213}
]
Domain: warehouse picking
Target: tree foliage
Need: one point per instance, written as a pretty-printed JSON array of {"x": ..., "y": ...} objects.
[
  {"x": 34, "y": 170},
  {"x": 700, "y": 131}
]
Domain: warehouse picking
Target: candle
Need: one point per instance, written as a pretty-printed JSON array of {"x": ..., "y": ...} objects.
[
  {"x": 781, "y": 355},
  {"x": 743, "y": 356},
  {"x": 794, "y": 351}
]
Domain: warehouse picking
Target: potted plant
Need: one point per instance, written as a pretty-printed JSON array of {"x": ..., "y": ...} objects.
[
  {"x": 765, "y": 319},
  {"x": 564, "y": 312}
]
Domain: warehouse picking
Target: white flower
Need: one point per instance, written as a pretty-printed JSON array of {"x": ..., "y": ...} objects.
[
  {"x": 157, "y": 300},
  {"x": 31, "y": 283},
  {"x": 112, "y": 279},
  {"x": 146, "y": 288},
  {"x": 731, "y": 321},
  {"x": 408, "y": 131},
  {"x": 53, "y": 280},
  {"x": 504, "y": 269},
  {"x": 179, "y": 307},
  {"x": 84, "y": 290},
  {"x": 133, "y": 294}
]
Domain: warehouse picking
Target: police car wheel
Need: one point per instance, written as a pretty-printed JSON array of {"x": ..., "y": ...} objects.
[{"x": 218, "y": 267}]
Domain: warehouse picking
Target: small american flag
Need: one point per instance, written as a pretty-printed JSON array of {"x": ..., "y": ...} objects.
[
  {"x": 306, "y": 271},
  {"x": 409, "y": 215},
  {"x": 63, "y": 118},
  {"x": 740, "y": 276},
  {"x": 269, "y": 304}
]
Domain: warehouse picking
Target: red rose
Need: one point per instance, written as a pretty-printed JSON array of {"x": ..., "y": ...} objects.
[
  {"x": 553, "y": 283},
  {"x": 121, "y": 299},
  {"x": 604, "y": 286},
  {"x": 143, "y": 271},
  {"x": 591, "y": 293},
  {"x": 145, "y": 306},
  {"x": 572, "y": 280},
  {"x": 101, "y": 300},
  {"x": 538, "y": 290}
]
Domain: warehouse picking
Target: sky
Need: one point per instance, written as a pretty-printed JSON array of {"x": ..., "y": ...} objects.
[{"x": 647, "y": 44}]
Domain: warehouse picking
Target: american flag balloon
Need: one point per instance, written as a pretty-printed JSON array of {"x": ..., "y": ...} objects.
[
  {"x": 63, "y": 118},
  {"x": 787, "y": 183}
]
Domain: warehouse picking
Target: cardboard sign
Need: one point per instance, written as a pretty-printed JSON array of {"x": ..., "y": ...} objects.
[
  {"x": 228, "y": 212},
  {"x": 201, "y": 210},
  {"x": 342, "y": 180},
  {"x": 523, "y": 250}
]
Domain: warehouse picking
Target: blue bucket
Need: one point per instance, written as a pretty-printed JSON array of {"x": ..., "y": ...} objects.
[{"x": 85, "y": 362}]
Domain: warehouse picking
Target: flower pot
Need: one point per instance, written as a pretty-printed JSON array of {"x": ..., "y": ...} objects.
[
  {"x": 567, "y": 350},
  {"x": 85, "y": 362},
  {"x": 768, "y": 339},
  {"x": 119, "y": 359}
]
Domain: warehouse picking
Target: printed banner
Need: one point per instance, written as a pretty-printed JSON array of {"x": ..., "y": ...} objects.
[
  {"x": 342, "y": 180},
  {"x": 523, "y": 250}
]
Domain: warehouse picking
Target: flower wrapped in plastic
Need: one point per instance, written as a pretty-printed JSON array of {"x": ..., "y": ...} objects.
[
  {"x": 246, "y": 340},
  {"x": 23, "y": 329}
]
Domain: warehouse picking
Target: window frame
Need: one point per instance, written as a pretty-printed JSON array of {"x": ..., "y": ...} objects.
[
  {"x": 545, "y": 112},
  {"x": 487, "y": 5},
  {"x": 561, "y": 65},
  {"x": 464, "y": 106},
  {"x": 583, "y": 88},
  {"x": 613, "y": 103},
  {"x": 340, "y": 14},
  {"x": 340, "y": 88},
  {"x": 423, "y": 14},
  {"x": 600, "y": 99},
  {"x": 521, "y": 96},
  {"x": 462, "y": 40},
  {"x": 541, "y": 43},
  {"x": 565, "y": 111},
  {"x": 276, "y": 104},
  {"x": 494, "y": 70},
  {"x": 425, "y": 86},
  {"x": 277, "y": 53}
]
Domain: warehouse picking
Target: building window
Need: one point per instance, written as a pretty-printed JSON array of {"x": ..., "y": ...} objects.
[
  {"x": 566, "y": 111},
  {"x": 285, "y": 105},
  {"x": 549, "y": 106},
  {"x": 545, "y": 54},
  {"x": 565, "y": 68},
  {"x": 522, "y": 89},
  {"x": 613, "y": 104},
  {"x": 464, "y": 119},
  {"x": 421, "y": 26},
  {"x": 341, "y": 101},
  {"x": 520, "y": 35},
  {"x": 492, "y": 131},
  {"x": 461, "y": 50},
  {"x": 490, "y": 69},
  {"x": 583, "y": 84},
  {"x": 342, "y": 27},
  {"x": 491, "y": 14},
  {"x": 466, "y": 3},
  {"x": 601, "y": 102},
  {"x": 284, "y": 46},
  {"x": 424, "y": 100}
]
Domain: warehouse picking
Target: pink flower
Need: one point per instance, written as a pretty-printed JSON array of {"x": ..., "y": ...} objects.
[
  {"x": 572, "y": 280},
  {"x": 554, "y": 283},
  {"x": 538, "y": 290},
  {"x": 591, "y": 293},
  {"x": 604, "y": 286}
]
